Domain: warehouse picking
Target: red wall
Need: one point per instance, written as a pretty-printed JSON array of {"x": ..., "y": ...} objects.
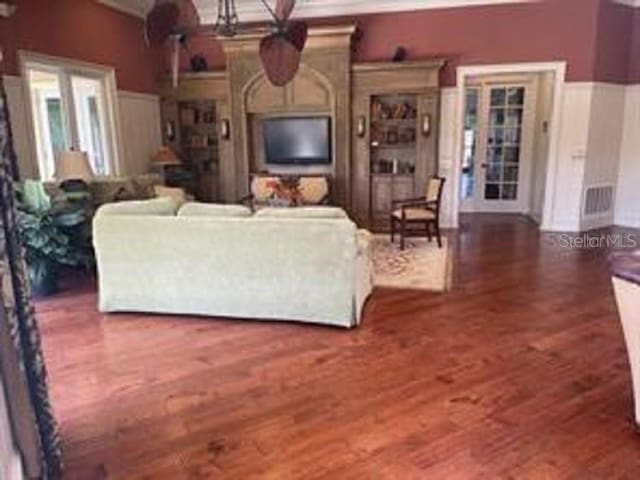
[
  {"x": 591, "y": 35},
  {"x": 613, "y": 43},
  {"x": 82, "y": 30}
]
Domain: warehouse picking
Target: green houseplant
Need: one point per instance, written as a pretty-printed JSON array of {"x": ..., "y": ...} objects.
[{"x": 54, "y": 234}]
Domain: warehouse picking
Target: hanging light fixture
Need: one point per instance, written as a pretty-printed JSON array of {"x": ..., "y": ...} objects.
[{"x": 227, "y": 23}]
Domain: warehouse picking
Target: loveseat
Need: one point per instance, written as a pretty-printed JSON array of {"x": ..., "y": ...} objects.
[{"x": 298, "y": 264}]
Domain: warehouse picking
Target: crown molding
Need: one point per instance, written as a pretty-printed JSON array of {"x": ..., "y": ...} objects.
[
  {"x": 628, "y": 3},
  {"x": 253, "y": 10},
  {"x": 137, "y": 8}
]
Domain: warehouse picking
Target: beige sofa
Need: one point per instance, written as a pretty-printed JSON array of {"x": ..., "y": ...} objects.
[{"x": 306, "y": 264}]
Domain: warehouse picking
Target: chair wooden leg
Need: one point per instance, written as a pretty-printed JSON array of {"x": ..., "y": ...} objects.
[
  {"x": 393, "y": 228},
  {"x": 403, "y": 231},
  {"x": 439, "y": 237}
]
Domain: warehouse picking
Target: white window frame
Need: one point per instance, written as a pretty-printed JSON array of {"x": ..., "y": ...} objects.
[{"x": 69, "y": 68}]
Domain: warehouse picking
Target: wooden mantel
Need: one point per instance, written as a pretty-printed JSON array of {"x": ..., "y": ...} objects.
[{"x": 323, "y": 85}]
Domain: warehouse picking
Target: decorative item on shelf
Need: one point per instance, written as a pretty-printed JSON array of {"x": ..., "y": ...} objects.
[
  {"x": 188, "y": 116},
  {"x": 408, "y": 135},
  {"x": 399, "y": 55},
  {"x": 361, "y": 128},
  {"x": 426, "y": 124},
  {"x": 377, "y": 108},
  {"x": 392, "y": 136},
  {"x": 73, "y": 171},
  {"x": 225, "y": 129},
  {"x": 199, "y": 63}
]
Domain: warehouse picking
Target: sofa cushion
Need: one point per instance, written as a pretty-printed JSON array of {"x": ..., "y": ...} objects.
[
  {"x": 302, "y": 212},
  {"x": 156, "y": 206},
  {"x": 195, "y": 209}
]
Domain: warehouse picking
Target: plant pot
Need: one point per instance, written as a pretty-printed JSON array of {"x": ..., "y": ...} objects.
[{"x": 44, "y": 279}]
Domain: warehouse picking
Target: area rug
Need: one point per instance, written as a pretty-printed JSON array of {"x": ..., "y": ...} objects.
[{"x": 421, "y": 265}]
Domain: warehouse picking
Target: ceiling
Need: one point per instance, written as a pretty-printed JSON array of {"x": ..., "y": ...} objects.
[{"x": 253, "y": 10}]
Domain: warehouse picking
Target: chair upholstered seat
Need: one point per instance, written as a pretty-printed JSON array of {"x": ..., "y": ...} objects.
[
  {"x": 415, "y": 214},
  {"x": 408, "y": 213}
]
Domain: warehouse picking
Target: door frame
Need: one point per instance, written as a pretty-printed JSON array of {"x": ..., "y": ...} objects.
[
  {"x": 559, "y": 69},
  {"x": 484, "y": 85}
]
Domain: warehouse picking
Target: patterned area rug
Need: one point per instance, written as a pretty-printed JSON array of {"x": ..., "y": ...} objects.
[{"x": 421, "y": 265}]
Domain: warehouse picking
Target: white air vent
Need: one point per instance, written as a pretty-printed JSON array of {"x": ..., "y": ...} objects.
[{"x": 598, "y": 200}]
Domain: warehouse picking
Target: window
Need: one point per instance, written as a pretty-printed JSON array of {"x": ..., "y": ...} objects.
[{"x": 71, "y": 107}]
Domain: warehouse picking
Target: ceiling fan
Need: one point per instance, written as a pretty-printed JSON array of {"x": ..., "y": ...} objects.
[{"x": 280, "y": 50}]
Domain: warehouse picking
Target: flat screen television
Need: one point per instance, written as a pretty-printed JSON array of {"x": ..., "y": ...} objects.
[{"x": 297, "y": 140}]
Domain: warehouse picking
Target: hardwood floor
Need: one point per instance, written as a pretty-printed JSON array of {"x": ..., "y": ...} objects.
[{"x": 520, "y": 372}]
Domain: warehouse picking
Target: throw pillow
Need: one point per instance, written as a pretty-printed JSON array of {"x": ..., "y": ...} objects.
[{"x": 178, "y": 195}]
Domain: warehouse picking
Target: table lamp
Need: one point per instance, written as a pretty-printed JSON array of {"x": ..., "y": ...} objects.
[
  {"x": 73, "y": 170},
  {"x": 165, "y": 157}
]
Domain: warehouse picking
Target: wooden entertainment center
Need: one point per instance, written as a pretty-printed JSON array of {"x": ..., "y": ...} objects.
[{"x": 384, "y": 122}]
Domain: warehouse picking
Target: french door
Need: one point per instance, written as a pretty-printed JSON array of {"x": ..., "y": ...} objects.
[
  {"x": 497, "y": 147},
  {"x": 70, "y": 108}
]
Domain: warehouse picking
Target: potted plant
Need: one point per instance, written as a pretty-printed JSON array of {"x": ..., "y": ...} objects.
[{"x": 53, "y": 234}]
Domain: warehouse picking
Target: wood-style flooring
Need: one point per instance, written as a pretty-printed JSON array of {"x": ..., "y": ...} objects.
[{"x": 519, "y": 373}]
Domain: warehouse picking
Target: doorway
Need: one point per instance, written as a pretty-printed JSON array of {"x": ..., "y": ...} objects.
[
  {"x": 486, "y": 176},
  {"x": 498, "y": 143}
]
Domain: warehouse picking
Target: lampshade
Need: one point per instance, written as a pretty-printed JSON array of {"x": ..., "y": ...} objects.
[
  {"x": 165, "y": 156},
  {"x": 73, "y": 165}
]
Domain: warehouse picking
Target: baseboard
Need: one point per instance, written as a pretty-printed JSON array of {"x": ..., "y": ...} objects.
[
  {"x": 595, "y": 222},
  {"x": 626, "y": 223}
]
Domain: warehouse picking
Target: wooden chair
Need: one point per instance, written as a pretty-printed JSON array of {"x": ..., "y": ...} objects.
[{"x": 421, "y": 212}]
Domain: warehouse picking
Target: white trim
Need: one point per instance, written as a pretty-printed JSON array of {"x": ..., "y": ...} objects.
[
  {"x": 253, "y": 10},
  {"x": 559, "y": 68},
  {"x": 628, "y": 3}
]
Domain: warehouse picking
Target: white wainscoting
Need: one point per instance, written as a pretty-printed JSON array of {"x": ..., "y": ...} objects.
[
  {"x": 22, "y": 140},
  {"x": 603, "y": 149},
  {"x": 10, "y": 463},
  {"x": 571, "y": 157},
  {"x": 628, "y": 194},
  {"x": 140, "y": 131},
  {"x": 447, "y": 154}
]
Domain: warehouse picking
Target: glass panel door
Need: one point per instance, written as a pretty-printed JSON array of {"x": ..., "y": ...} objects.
[
  {"x": 502, "y": 166},
  {"x": 49, "y": 118},
  {"x": 90, "y": 115}
]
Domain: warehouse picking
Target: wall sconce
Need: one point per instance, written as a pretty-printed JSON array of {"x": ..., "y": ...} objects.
[
  {"x": 225, "y": 129},
  {"x": 426, "y": 124},
  {"x": 361, "y": 128}
]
